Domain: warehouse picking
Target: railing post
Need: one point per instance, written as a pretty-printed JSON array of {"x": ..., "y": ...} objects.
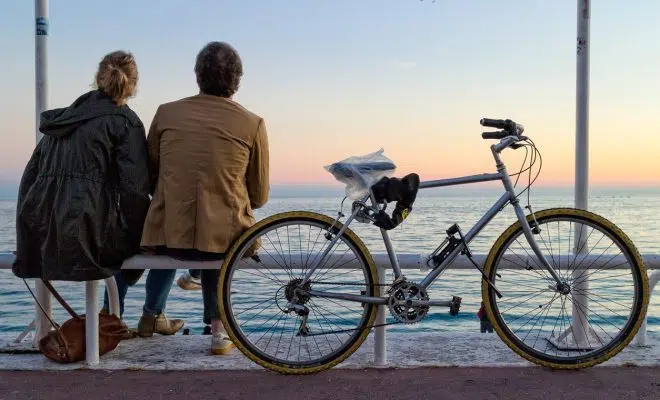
[
  {"x": 380, "y": 336},
  {"x": 91, "y": 323},
  {"x": 640, "y": 339}
]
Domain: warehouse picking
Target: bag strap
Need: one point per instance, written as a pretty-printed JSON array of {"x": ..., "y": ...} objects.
[
  {"x": 53, "y": 323},
  {"x": 60, "y": 299}
]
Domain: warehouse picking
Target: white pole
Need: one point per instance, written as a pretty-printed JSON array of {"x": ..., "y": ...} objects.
[
  {"x": 41, "y": 60},
  {"x": 41, "y": 92},
  {"x": 582, "y": 108},
  {"x": 580, "y": 325}
]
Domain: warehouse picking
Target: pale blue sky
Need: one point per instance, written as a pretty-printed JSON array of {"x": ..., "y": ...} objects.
[{"x": 345, "y": 77}]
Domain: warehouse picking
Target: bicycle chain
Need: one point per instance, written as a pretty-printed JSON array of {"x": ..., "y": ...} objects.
[
  {"x": 353, "y": 329},
  {"x": 349, "y": 284}
]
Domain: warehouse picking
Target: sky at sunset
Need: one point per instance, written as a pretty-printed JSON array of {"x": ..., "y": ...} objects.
[{"x": 335, "y": 78}]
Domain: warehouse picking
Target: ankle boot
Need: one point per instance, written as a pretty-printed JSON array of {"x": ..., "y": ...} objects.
[{"x": 150, "y": 324}]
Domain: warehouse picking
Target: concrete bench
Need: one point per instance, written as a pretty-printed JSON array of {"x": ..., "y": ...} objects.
[{"x": 406, "y": 261}]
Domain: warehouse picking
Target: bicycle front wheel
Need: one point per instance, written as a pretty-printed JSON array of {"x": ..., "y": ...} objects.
[
  {"x": 254, "y": 293},
  {"x": 588, "y": 319}
]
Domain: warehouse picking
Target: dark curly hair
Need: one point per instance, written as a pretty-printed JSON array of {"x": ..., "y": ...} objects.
[{"x": 218, "y": 69}]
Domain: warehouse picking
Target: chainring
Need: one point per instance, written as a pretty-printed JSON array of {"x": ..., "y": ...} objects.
[{"x": 399, "y": 302}]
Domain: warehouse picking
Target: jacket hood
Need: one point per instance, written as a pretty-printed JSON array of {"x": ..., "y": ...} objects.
[{"x": 61, "y": 122}]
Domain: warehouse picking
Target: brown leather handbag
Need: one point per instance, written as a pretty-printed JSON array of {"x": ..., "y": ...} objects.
[{"x": 66, "y": 344}]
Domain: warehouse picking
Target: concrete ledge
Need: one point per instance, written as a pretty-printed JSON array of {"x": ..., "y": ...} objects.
[{"x": 414, "y": 350}]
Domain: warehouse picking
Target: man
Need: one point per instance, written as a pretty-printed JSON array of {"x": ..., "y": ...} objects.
[{"x": 208, "y": 160}]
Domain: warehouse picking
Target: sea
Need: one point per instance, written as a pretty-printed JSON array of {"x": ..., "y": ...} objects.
[{"x": 635, "y": 210}]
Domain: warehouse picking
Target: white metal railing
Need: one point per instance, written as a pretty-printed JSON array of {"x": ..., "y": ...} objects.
[{"x": 406, "y": 262}]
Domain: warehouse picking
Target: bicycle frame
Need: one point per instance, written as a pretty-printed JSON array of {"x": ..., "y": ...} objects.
[{"x": 509, "y": 196}]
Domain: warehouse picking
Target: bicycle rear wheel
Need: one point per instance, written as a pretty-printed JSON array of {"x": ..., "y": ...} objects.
[
  {"x": 253, "y": 294},
  {"x": 584, "y": 323}
]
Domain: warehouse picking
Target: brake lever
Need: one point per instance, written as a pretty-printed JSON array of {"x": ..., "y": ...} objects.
[{"x": 516, "y": 146}]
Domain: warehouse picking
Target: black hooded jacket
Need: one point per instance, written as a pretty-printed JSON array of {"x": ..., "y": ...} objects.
[{"x": 84, "y": 194}]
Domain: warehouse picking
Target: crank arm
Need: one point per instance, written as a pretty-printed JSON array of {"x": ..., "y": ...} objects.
[{"x": 454, "y": 304}]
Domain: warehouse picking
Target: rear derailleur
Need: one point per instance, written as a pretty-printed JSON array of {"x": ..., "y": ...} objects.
[{"x": 296, "y": 298}]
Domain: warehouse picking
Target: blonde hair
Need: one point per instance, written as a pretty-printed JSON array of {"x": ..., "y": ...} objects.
[{"x": 117, "y": 76}]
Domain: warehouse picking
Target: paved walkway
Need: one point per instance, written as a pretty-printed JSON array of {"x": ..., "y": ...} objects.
[{"x": 423, "y": 383}]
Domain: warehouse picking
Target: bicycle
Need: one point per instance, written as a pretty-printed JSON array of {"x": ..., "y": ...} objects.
[{"x": 322, "y": 303}]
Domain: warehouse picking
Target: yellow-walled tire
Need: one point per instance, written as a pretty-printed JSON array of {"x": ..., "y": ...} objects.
[
  {"x": 640, "y": 302},
  {"x": 225, "y": 307}
]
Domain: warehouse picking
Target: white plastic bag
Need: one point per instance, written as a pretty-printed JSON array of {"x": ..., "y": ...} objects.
[{"x": 359, "y": 173}]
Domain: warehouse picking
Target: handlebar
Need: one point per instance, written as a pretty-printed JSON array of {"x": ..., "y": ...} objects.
[
  {"x": 507, "y": 126},
  {"x": 494, "y": 135},
  {"x": 493, "y": 123}
]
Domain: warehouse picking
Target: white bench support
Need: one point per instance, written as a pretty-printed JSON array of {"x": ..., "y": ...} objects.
[
  {"x": 91, "y": 323},
  {"x": 113, "y": 296},
  {"x": 42, "y": 325}
]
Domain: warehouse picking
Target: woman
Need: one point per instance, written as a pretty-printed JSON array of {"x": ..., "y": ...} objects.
[{"x": 84, "y": 194}]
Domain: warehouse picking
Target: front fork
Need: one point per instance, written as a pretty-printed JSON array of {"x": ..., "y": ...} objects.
[
  {"x": 527, "y": 230},
  {"x": 529, "y": 235}
]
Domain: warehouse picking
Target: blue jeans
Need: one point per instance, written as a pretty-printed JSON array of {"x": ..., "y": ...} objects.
[
  {"x": 209, "y": 277},
  {"x": 157, "y": 287}
]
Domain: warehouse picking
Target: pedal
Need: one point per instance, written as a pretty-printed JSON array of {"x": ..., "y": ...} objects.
[{"x": 454, "y": 306}]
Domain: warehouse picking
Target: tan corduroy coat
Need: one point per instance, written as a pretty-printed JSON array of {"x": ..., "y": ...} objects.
[{"x": 209, "y": 169}]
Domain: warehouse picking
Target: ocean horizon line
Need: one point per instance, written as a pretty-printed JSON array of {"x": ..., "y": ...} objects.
[{"x": 316, "y": 190}]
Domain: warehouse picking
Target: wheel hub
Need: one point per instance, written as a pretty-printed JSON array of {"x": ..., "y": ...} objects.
[
  {"x": 293, "y": 286},
  {"x": 563, "y": 288}
]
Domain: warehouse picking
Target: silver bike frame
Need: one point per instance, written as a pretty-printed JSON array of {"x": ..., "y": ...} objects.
[{"x": 509, "y": 196}]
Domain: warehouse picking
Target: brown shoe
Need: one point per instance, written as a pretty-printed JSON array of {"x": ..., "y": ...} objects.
[{"x": 150, "y": 324}]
